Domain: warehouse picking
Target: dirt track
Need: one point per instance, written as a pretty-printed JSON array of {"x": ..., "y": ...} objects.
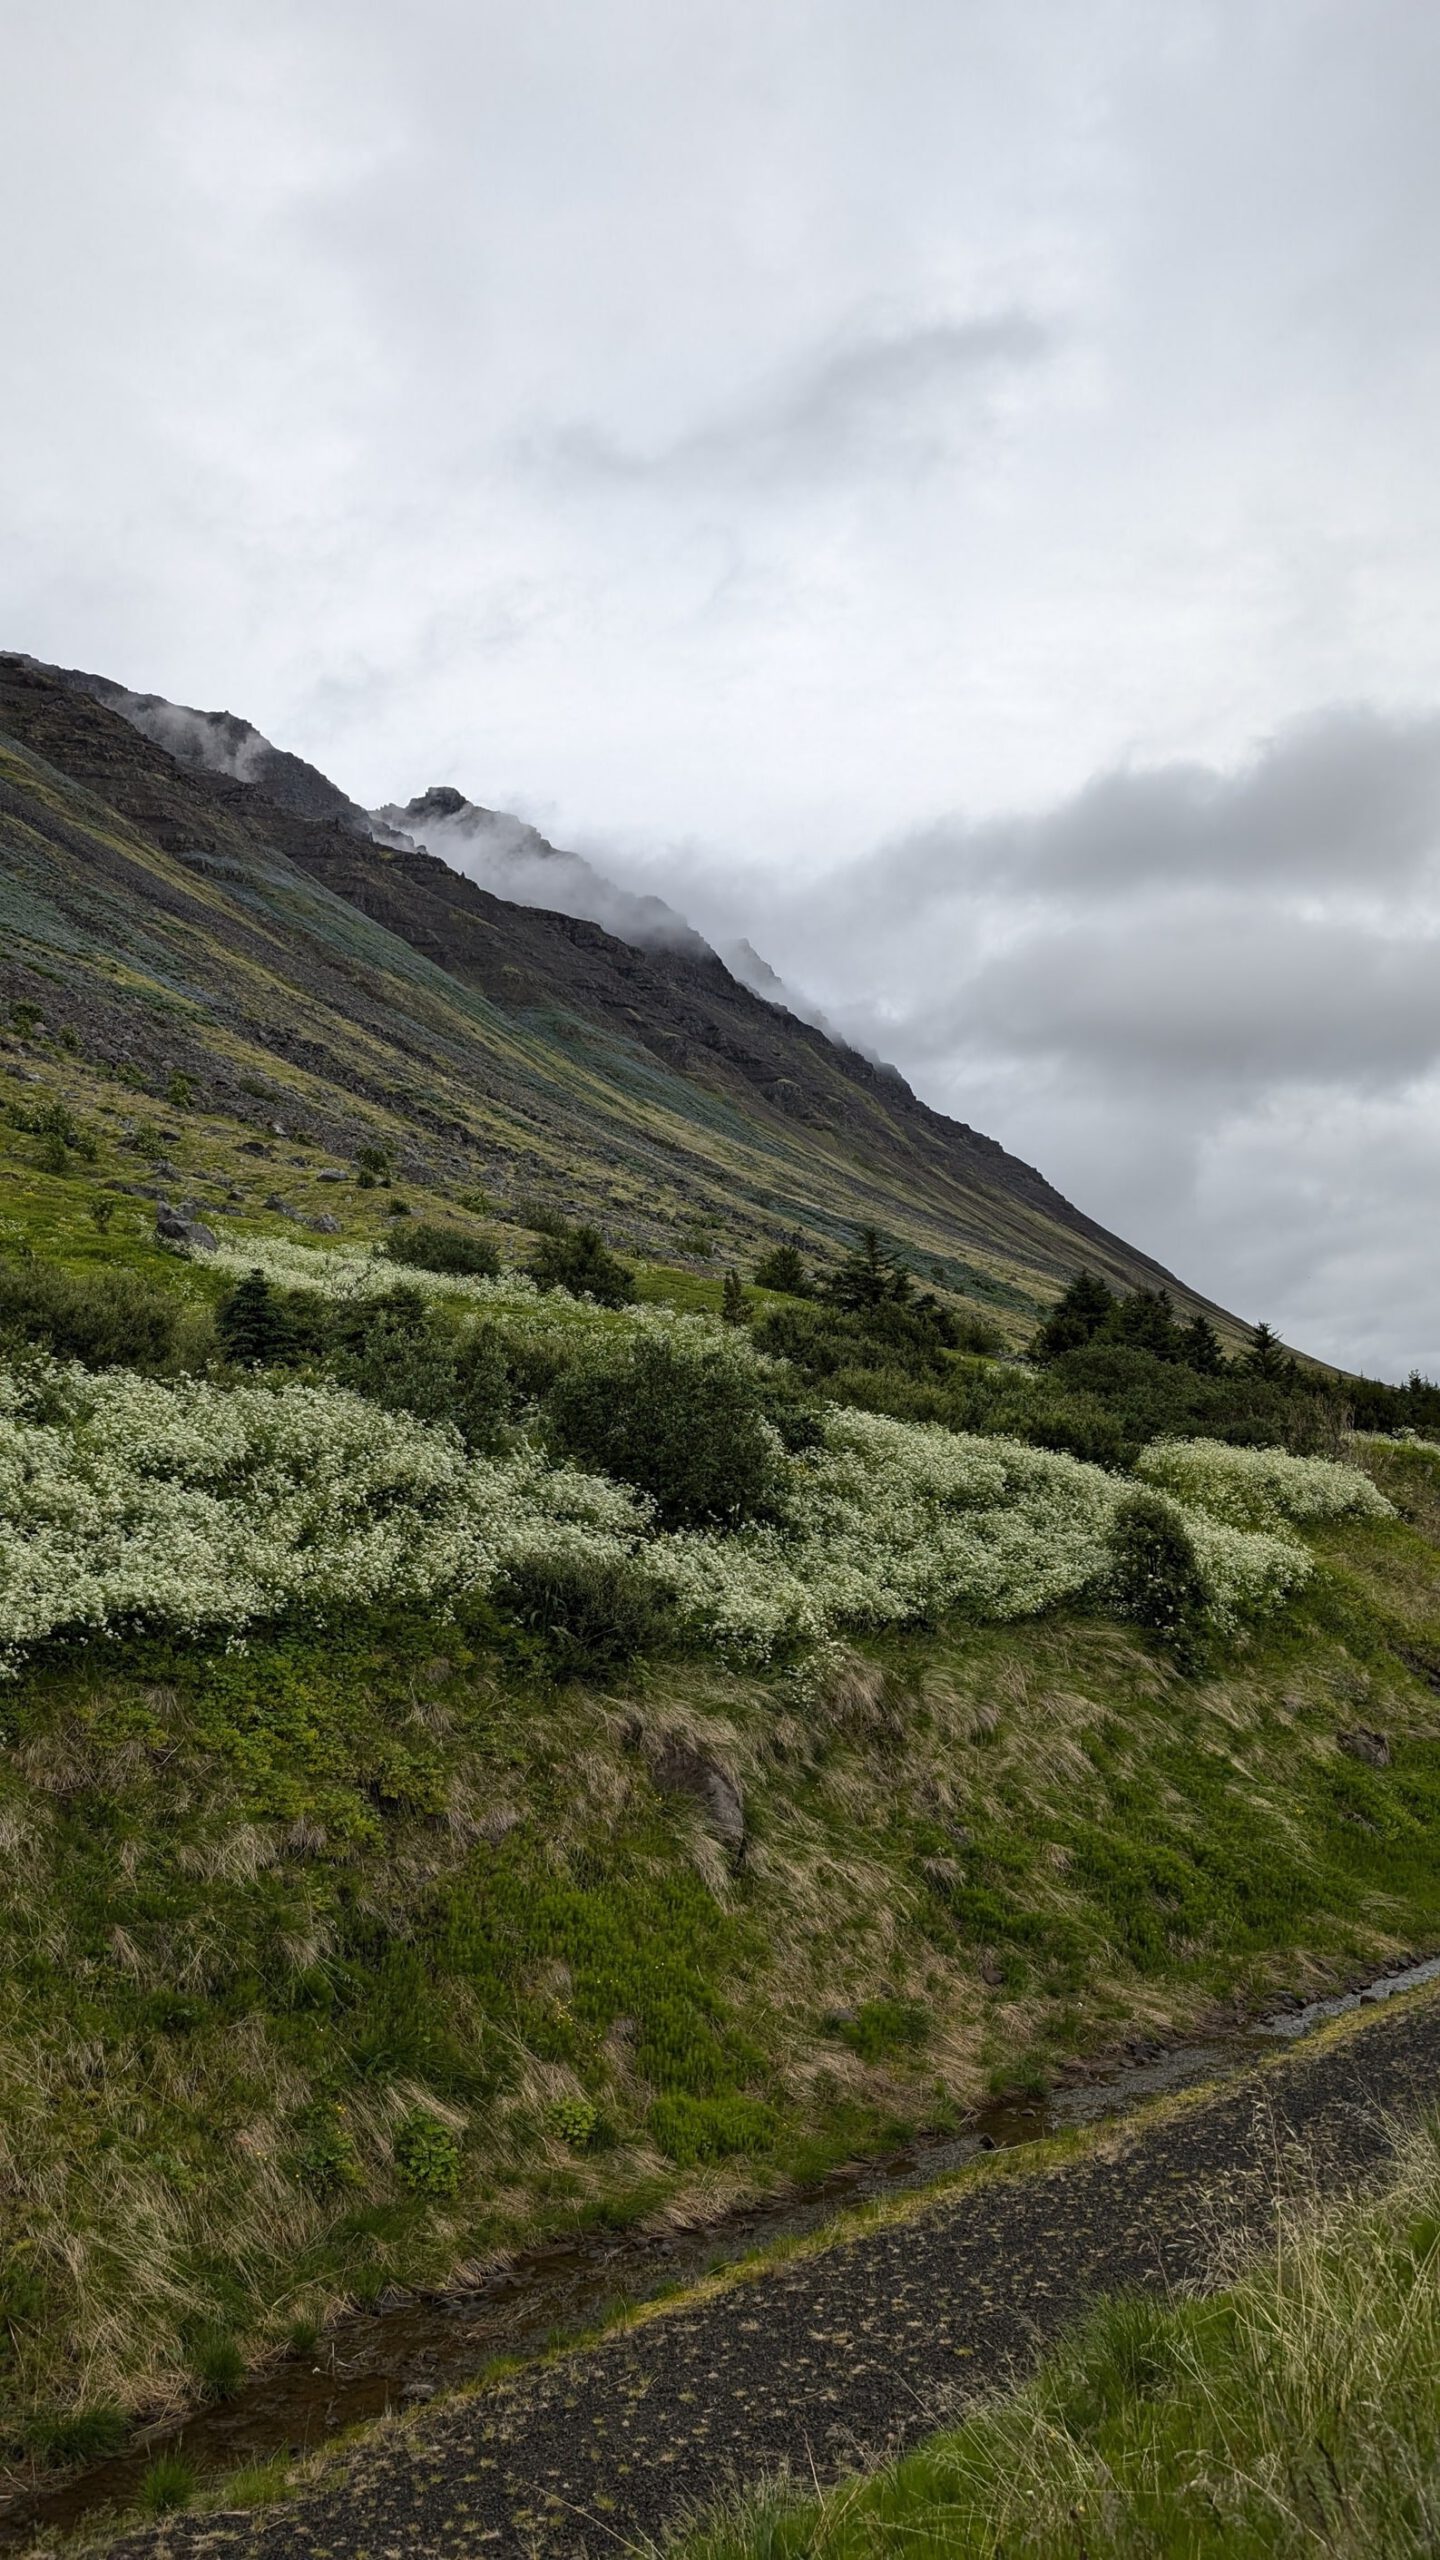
[{"x": 833, "y": 2360}]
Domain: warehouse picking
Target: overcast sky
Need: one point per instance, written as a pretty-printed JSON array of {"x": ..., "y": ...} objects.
[{"x": 947, "y": 487}]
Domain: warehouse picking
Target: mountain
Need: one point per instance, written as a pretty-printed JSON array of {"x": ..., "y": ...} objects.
[
  {"x": 514, "y": 861},
  {"x": 224, "y": 914}
]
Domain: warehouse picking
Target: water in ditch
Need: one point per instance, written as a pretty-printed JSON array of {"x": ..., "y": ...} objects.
[{"x": 369, "y": 2363}]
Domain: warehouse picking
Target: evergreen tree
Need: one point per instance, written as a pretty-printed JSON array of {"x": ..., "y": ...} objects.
[
  {"x": 781, "y": 1268},
  {"x": 251, "y": 1324},
  {"x": 868, "y": 1277},
  {"x": 1146, "y": 1320},
  {"x": 1266, "y": 1356},
  {"x": 1075, "y": 1318},
  {"x": 1202, "y": 1347},
  {"x": 733, "y": 1306}
]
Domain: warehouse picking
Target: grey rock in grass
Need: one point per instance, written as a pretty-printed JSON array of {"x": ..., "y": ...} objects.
[
  {"x": 680, "y": 1767},
  {"x": 173, "y": 1227}
]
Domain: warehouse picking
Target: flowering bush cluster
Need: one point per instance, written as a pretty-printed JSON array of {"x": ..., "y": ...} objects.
[
  {"x": 126, "y": 1501},
  {"x": 347, "y": 1272},
  {"x": 1259, "y": 1487},
  {"x": 190, "y": 1505},
  {"x": 898, "y": 1523}
]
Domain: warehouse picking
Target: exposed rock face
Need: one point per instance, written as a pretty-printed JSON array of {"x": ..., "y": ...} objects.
[
  {"x": 218, "y": 742},
  {"x": 680, "y": 1767}
]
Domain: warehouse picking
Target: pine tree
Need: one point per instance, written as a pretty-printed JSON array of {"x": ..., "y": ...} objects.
[
  {"x": 1075, "y": 1318},
  {"x": 1266, "y": 1355},
  {"x": 868, "y": 1277},
  {"x": 781, "y": 1268},
  {"x": 251, "y": 1325},
  {"x": 1146, "y": 1321},
  {"x": 733, "y": 1306},
  {"x": 1202, "y": 1347}
]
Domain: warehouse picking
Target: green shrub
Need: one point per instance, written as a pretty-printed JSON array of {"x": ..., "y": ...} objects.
[
  {"x": 792, "y": 1414},
  {"x": 687, "y": 1425},
  {"x": 689, "y": 2130},
  {"x": 918, "y": 1338},
  {"x": 78, "y": 2435},
  {"x": 397, "y": 1356},
  {"x": 574, "y": 2120},
  {"x": 577, "y": 1259},
  {"x": 1154, "y": 1574},
  {"x": 111, "y": 1319},
  {"x": 428, "y": 1247},
  {"x": 483, "y": 1392},
  {"x": 886, "y": 2026},
  {"x": 169, "y": 2483},
  {"x": 593, "y": 1612},
  {"x": 427, "y": 2156}
]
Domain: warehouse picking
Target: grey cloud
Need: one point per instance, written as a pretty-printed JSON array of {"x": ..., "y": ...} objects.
[
  {"x": 1239, "y": 995},
  {"x": 893, "y": 398},
  {"x": 1348, "y": 799}
]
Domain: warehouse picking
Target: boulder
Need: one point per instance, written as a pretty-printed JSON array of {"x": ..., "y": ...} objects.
[
  {"x": 325, "y": 1225},
  {"x": 173, "y": 1227},
  {"x": 680, "y": 1767}
]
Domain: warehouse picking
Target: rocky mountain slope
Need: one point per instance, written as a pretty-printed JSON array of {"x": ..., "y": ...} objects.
[{"x": 242, "y": 928}]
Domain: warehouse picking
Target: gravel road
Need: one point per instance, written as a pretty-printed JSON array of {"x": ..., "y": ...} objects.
[{"x": 834, "y": 2360}]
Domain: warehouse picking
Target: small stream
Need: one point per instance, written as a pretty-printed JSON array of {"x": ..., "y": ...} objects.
[{"x": 369, "y": 2363}]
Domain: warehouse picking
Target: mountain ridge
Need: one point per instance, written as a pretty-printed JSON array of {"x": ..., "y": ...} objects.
[{"x": 504, "y": 1043}]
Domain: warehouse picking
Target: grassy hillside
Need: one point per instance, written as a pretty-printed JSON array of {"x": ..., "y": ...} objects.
[
  {"x": 476, "y": 1760},
  {"x": 178, "y": 924},
  {"x": 345, "y": 1945}
]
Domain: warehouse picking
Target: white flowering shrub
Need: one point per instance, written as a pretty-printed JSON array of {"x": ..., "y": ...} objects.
[
  {"x": 1259, "y": 1488},
  {"x": 900, "y": 1523},
  {"x": 188, "y": 1505},
  {"x": 192, "y": 1506},
  {"x": 347, "y": 1272}
]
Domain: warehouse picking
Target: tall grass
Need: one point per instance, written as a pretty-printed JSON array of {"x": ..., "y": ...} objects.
[{"x": 1295, "y": 2411}]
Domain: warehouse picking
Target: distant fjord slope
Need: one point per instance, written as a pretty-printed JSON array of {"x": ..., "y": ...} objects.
[{"x": 243, "y": 927}]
